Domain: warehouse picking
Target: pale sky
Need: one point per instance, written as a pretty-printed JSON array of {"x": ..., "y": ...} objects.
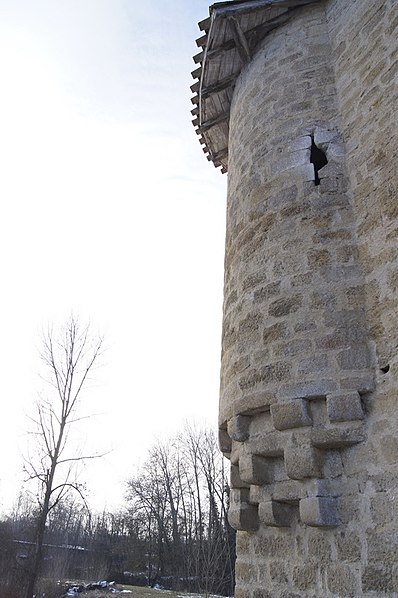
[{"x": 109, "y": 210}]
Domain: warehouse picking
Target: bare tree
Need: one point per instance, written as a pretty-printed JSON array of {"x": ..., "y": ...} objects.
[
  {"x": 180, "y": 496},
  {"x": 68, "y": 359}
]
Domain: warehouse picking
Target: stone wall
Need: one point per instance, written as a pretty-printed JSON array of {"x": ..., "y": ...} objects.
[{"x": 308, "y": 408}]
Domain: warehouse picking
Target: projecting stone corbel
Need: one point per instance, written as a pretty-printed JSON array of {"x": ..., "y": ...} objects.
[
  {"x": 242, "y": 515},
  {"x": 276, "y": 514},
  {"x": 319, "y": 511}
]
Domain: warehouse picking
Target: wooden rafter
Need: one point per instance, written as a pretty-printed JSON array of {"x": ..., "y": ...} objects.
[
  {"x": 219, "y": 86},
  {"x": 205, "y": 126},
  {"x": 240, "y": 39}
]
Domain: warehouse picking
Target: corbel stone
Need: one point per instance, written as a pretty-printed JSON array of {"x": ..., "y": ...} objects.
[
  {"x": 335, "y": 438},
  {"x": 270, "y": 444},
  {"x": 293, "y": 414},
  {"x": 242, "y": 515},
  {"x": 238, "y": 428},
  {"x": 275, "y": 514},
  {"x": 319, "y": 511},
  {"x": 253, "y": 469},
  {"x": 302, "y": 460},
  {"x": 236, "y": 452},
  {"x": 236, "y": 480},
  {"x": 344, "y": 407},
  {"x": 224, "y": 441}
]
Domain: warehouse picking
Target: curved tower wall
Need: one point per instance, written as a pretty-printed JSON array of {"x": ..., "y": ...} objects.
[{"x": 307, "y": 416}]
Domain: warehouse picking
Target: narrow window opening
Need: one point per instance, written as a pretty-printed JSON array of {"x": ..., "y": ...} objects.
[{"x": 318, "y": 159}]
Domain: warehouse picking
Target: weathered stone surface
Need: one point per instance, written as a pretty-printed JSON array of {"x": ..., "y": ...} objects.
[
  {"x": 344, "y": 407},
  {"x": 319, "y": 511},
  {"x": 302, "y": 461},
  {"x": 238, "y": 428},
  {"x": 275, "y": 514},
  {"x": 310, "y": 312},
  {"x": 253, "y": 469},
  {"x": 243, "y": 516},
  {"x": 224, "y": 441},
  {"x": 235, "y": 479},
  {"x": 290, "y": 415},
  {"x": 333, "y": 438}
]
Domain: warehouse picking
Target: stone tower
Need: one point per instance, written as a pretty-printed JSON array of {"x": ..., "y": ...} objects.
[{"x": 297, "y": 100}]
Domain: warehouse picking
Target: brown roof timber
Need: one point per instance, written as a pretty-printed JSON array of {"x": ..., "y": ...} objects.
[{"x": 226, "y": 47}]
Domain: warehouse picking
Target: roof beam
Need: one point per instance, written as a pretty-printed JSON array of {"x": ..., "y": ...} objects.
[
  {"x": 212, "y": 122},
  {"x": 219, "y": 86},
  {"x": 240, "y": 40},
  {"x": 219, "y": 155},
  {"x": 227, "y": 8}
]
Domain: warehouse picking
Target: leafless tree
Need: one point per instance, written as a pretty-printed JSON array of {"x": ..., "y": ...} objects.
[
  {"x": 181, "y": 498},
  {"x": 68, "y": 357}
]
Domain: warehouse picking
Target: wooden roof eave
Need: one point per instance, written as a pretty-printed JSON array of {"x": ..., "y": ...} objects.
[{"x": 211, "y": 129}]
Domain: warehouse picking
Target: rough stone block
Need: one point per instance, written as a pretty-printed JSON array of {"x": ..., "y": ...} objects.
[
  {"x": 236, "y": 452},
  {"x": 269, "y": 445},
  {"x": 344, "y": 407},
  {"x": 241, "y": 515},
  {"x": 290, "y": 415},
  {"x": 321, "y": 487},
  {"x": 275, "y": 514},
  {"x": 319, "y": 511},
  {"x": 259, "y": 494},
  {"x": 304, "y": 576},
  {"x": 348, "y": 547},
  {"x": 253, "y": 469},
  {"x": 224, "y": 441},
  {"x": 284, "y": 306},
  {"x": 354, "y": 359},
  {"x": 255, "y": 402},
  {"x": 291, "y": 159},
  {"x": 378, "y": 578},
  {"x": 238, "y": 428},
  {"x": 325, "y": 136},
  {"x": 288, "y": 491},
  {"x": 342, "y": 582},
  {"x": 303, "y": 142},
  {"x": 236, "y": 481},
  {"x": 302, "y": 461},
  {"x": 319, "y": 545},
  {"x": 309, "y": 390},
  {"x": 333, "y": 438},
  {"x": 306, "y": 172}
]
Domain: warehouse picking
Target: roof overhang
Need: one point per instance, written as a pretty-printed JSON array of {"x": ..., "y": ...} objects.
[{"x": 232, "y": 33}]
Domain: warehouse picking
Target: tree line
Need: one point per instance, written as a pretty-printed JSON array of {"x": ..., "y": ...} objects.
[{"x": 172, "y": 532}]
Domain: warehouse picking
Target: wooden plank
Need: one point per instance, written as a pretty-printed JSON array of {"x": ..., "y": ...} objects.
[
  {"x": 195, "y": 87},
  {"x": 227, "y": 8},
  {"x": 205, "y": 24},
  {"x": 196, "y": 73},
  {"x": 219, "y": 86},
  {"x": 221, "y": 154},
  {"x": 240, "y": 39},
  {"x": 201, "y": 42},
  {"x": 212, "y": 122},
  {"x": 198, "y": 57}
]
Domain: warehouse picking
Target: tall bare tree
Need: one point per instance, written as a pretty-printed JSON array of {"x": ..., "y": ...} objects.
[{"x": 68, "y": 357}]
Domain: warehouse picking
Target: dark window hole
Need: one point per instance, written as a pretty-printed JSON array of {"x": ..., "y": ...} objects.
[
  {"x": 385, "y": 369},
  {"x": 318, "y": 159}
]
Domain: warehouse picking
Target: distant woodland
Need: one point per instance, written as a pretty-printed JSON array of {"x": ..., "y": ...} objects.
[{"x": 172, "y": 532}]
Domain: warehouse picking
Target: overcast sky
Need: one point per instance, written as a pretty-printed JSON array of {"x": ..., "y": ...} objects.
[{"x": 109, "y": 210}]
